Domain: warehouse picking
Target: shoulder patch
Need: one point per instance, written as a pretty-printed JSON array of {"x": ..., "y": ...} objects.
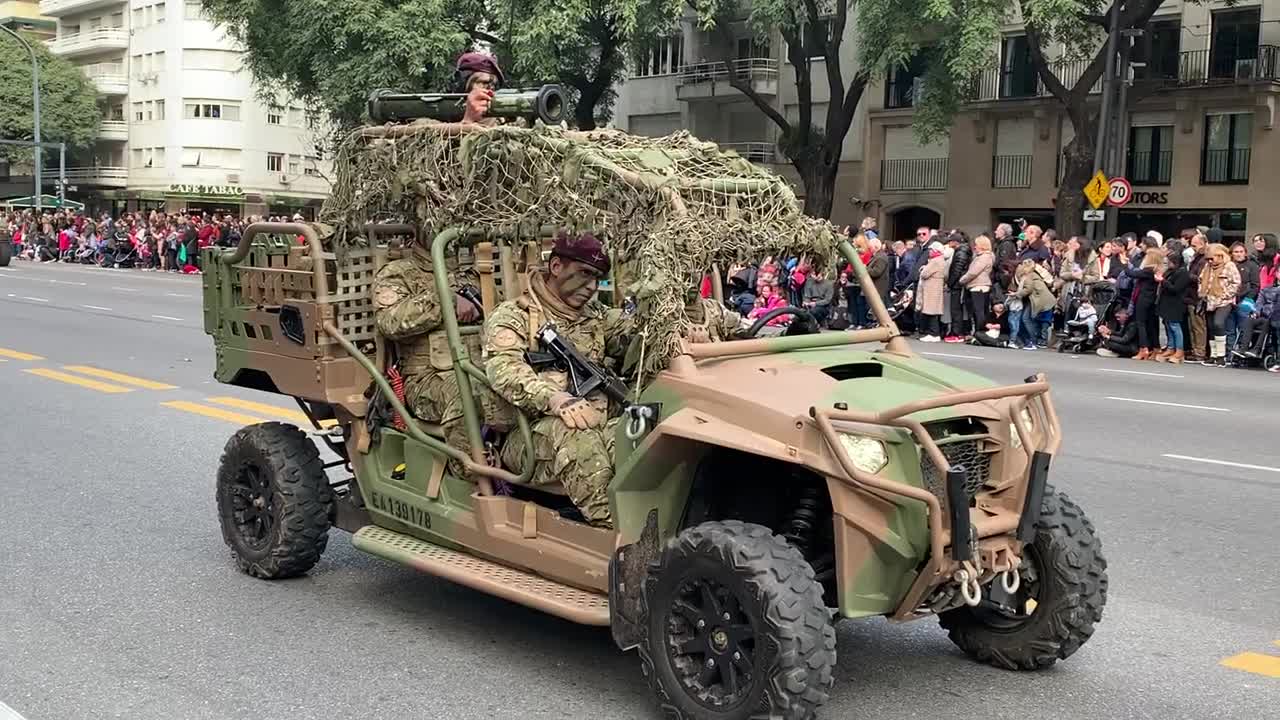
[
  {"x": 386, "y": 296},
  {"x": 505, "y": 339}
]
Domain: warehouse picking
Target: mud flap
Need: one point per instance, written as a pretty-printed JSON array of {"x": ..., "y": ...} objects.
[{"x": 627, "y": 571}]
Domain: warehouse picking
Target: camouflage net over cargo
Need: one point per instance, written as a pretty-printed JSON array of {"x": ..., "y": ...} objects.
[{"x": 668, "y": 207}]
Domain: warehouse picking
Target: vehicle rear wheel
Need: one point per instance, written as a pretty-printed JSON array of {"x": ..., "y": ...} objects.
[
  {"x": 6, "y": 252},
  {"x": 1060, "y": 597},
  {"x": 274, "y": 500},
  {"x": 737, "y": 627}
]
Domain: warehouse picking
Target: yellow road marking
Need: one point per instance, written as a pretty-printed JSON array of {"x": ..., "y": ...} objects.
[
  {"x": 296, "y": 416},
  {"x": 118, "y": 377},
  {"x": 18, "y": 355},
  {"x": 1257, "y": 663},
  {"x": 82, "y": 382},
  {"x": 213, "y": 412}
]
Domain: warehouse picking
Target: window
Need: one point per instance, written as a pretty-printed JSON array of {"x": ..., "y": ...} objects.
[
  {"x": 275, "y": 162},
  {"x": 211, "y": 157},
  {"x": 818, "y": 51},
  {"x": 664, "y": 58},
  {"x": 1150, "y": 160},
  {"x": 160, "y": 12},
  {"x": 274, "y": 115},
  {"x": 294, "y": 165},
  {"x": 191, "y": 10},
  {"x": 159, "y": 109},
  {"x": 1017, "y": 74},
  {"x": 95, "y": 23},
  {"x": 211, "y": 110},
  {"x": 295, "y": 117},
  {"x": 137, "y": 18},
  {"x": 135, "y": 157},
  {"x": 310, "y": 168},
  {"x": 115, "y": 112},
  {"x": 1233, "y": 43},
  {"x": 313, "y": 119},
  {"x": 1225, "y": 157},
  {"x": 753, "y": 47},
  {"x": 1158, "y": 48},
  {"x": 137, "y": 112},
  {"x": 902, "y": 89},
  {"x": 117, "y": 20},
  {"x": 195, "y": 59},
  {"x": 159, "y": 157}
]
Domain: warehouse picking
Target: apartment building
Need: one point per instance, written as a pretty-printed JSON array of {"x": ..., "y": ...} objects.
[
  {"x": 1197, "y": 150},
  {"x": 678, "y": 84},
  {"x": 183, "y": 128},
  {"x": 24, "y": 16},
  {"x": 1197, "y": 146}
]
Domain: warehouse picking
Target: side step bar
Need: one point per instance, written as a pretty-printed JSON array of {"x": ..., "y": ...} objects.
[{"x": 580, "y": 606}]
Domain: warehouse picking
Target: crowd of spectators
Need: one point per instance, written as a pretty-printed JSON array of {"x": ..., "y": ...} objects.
[
  {"x": 153, "y": 240},
  {"x": 1191, "y": 298}
]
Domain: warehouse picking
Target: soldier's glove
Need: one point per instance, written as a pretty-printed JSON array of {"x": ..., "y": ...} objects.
[
  {"x": 699, "y": 334},
  {"x": 466, "y": 310},
  {"x": 575, "y": 412}
]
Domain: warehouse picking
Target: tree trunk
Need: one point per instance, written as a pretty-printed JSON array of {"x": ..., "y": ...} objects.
[
  {"x": 818, "y": 176},
  {"x": 1077, "y": 168},
  {"x": 584, "y": 111}
]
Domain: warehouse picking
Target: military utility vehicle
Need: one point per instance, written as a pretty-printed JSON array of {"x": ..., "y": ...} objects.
[{"x": 764, "y": 488}]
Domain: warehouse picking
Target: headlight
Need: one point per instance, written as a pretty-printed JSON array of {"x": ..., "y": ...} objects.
[
  {"x": 1015, "y": 438},
  {"x": 867, "y": 454}
]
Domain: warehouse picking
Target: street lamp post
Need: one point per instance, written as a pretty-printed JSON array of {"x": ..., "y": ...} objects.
[{"x": 35, "y": 99}]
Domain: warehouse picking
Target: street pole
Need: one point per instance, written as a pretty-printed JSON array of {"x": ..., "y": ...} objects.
[
  {"x": 1108, "y": 88},
  {"x": 1120, "y": 145},
  {"x": 35, "y": 99},
  {"x": 62, "y": 174}
]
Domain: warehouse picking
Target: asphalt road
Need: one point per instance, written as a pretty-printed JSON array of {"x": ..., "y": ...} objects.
[{"x": 121, "y": 601}]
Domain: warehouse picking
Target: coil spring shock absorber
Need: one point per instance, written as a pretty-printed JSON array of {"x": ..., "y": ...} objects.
[
  {"x": 397, "y": 386},
  {"x": 804, "y": 516}
]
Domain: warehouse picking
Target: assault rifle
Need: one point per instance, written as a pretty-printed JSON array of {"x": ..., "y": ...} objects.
[{"x": 585, "y": 376}]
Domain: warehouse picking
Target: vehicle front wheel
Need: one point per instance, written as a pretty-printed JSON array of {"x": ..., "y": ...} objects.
[
  {"x": 274, "y": 500},
  {"x": 1062, "y": 590},
  {"x": 737, "y": 627}
]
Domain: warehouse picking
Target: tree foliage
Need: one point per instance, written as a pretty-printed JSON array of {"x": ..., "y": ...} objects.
[
  {"x": 68, "y": 100},
  {"x": 332, "y": 53}
]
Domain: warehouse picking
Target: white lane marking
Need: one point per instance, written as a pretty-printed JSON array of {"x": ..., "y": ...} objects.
[
  {"x": 166, "y": 317},
  {"x": 179, "y": 295},
  {"x": 35, "y": 299},
  {"x": 96, "y": 307},
  {"x": 953, "y": 355},
  {"x": 1228, "y": 463},
  {"x": 124, "y": 289},
  {"x": 1139, "y": 372},
  {"x": 1168, "y": 404},
  {"x": 8, "y": 713},
  {"x": 67, "y": 282},
  {"x": 48, "y": 280}
]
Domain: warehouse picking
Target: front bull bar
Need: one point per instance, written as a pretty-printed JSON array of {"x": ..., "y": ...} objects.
[{"x": 1032, "y": 396}]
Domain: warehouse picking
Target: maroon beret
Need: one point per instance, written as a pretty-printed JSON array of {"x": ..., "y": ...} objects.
[
  {"x": 473, "y": 62},
  {"x": 585, "y": 248}
]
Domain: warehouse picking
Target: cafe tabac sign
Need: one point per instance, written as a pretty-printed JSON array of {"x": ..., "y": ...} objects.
[{"x": 217, "y": 192}]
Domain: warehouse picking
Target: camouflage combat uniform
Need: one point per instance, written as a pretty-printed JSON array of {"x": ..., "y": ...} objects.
[
  {"x": 719, "y": 322},
  {"x": 580, "y": 460},
  {"x": 407, "y": 310}
]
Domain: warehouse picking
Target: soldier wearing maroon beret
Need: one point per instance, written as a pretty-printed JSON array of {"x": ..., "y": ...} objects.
[
  {"x": 477, "y": 74},
  {"x": 572, "y": 436}
]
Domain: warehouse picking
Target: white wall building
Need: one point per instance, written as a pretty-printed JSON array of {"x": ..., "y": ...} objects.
[{"x": 183, "y": 128}]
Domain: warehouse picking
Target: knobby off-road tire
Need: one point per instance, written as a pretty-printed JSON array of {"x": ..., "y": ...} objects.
[
  {"x": 1069, "y": 587},
  {"x": 274, "y": 500},
  {"x": 6, "y": 252},
  {"x": 778, "y": 627}
]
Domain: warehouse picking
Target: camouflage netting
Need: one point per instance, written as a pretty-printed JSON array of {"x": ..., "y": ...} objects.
[{"x": 668, "y": 207}]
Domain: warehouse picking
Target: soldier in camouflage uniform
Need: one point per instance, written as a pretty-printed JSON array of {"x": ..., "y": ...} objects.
[
  {"x": 407, "y": 311},
  {"x": 711, "y": 320},
  {"x": 573, "y": 437}
]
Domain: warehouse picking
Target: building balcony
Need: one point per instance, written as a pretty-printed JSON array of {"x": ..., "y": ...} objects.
[
  {"x": 59, "y": 8},
  {"x": 710, "y": 80},
  {"x": 117, "y": 130},
  {"x": 90, "y": 41},
  {"x": 109, "y": 79},
  {"x": 911, "y": 175},
  {"x": 1011, "y": 171},
  {"x": 1209, "y": 67},
  {"x": 1150, "y": 168},
  {"x": 1022, "y": 81},
  {"x": 104, "y": 175},
  {"x": 756, "y": 152}
]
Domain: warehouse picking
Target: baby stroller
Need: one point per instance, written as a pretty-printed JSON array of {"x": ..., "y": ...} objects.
[
  {"x": 1267, "y": 359},
  {"x": 1081, "y": 334}
]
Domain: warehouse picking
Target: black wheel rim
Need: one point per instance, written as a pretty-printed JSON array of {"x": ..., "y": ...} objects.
[
  {"x": 253, "y": 506},
  {"x": 1006, "y": 612},
  {"x": 710, "y": 640}
]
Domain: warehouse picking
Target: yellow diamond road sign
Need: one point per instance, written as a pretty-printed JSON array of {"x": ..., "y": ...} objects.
[{"x": 1097, "y": 190}]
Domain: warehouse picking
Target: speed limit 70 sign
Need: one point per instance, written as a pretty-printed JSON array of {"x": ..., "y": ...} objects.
[{"x": 1119, "y": 192}]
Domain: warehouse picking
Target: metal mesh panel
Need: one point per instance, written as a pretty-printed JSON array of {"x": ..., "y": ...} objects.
[{"x": 963, "y": 452}]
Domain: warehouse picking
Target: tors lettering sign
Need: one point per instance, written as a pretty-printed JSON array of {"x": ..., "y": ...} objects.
[
  {"x": 214, "y": 190},
  {"x": 1142, "y": 197}
]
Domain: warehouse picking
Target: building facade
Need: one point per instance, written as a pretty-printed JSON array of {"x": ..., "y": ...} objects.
[
  {"x": 24, "y": 16},
  {"x": 1197, "y": 147},
  {"x": 183, "y": 127}
]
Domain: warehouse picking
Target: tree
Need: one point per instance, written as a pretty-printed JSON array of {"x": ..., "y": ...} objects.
[
  {"x": 1062, "y": 35},
  {"x": 332, "y": 53},
  {"x": 68, "y": 100},
  {"x": 811, "y": 29}
]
